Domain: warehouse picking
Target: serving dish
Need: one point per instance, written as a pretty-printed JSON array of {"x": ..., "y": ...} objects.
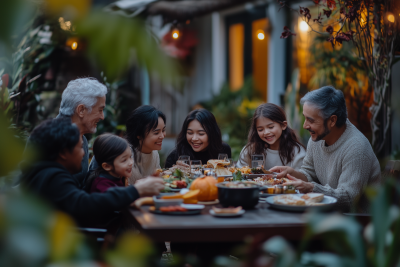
[
  {"x": 327, "y": 203},
  {"x": 247, "y": 197}
]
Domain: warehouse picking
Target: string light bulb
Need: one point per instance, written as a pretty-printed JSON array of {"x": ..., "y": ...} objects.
[
  {"x": 260, "y": 35},
  {"x": 74, "y": 45},
  {"x": 175, "y": 34},
  {"x": 390, "y": 18},
  {"x": 303, "y": 26}
]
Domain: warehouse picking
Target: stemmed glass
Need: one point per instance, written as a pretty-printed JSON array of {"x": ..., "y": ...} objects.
[
  {"x": 184, "y": 159},
  {"x": 257, "y": 161},
  {"x": 196, "y": 166},
  {"x": 223, "y": 156}
]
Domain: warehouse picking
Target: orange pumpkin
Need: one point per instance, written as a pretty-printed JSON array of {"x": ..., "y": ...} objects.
[{"x": 207, "y": 187}]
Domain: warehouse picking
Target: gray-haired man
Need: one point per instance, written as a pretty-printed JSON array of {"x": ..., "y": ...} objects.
[
  {"x": 340, "y": 161},
  {"x": 83, "y": 101}
]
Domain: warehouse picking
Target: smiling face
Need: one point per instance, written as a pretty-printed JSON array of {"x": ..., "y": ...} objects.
[
  {"x": 197, "y": 136},
  {"x": 314, "y": 123},
  {"x": 90, "y": 119},
  {"x": 122, "y": 165},
  {"x": 154, "y": 139},
  {"x": 270, "y": 131}
]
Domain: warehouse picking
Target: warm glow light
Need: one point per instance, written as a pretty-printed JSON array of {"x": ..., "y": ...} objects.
[
  {"x": 260, "y": 35},
  {"x": 390, "y": 18},
  {"x": 175, "y": 34},
  {"x": 74, "y": 45},
  {"x": 303, "y": 26}
]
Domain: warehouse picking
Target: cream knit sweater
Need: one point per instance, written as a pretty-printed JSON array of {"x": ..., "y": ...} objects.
[
  {"x": 145, "y": 167},
  {"x": 344, "y": 169}
]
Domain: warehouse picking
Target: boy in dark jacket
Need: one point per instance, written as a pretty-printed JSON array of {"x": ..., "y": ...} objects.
[{"x": 51, "y": 177}]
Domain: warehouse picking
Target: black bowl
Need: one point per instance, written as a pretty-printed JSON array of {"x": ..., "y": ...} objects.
[{"x": 246, "y": 197}]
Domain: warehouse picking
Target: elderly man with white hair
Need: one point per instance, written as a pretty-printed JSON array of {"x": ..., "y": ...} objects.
[{"x": 83, "y": 101}]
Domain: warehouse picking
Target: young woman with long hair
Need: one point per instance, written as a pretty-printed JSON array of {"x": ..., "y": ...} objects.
[
  {"x": 200, "y": 138},
  {"x": 145, "y": 131},
  {"x": 270, "y": 136}
]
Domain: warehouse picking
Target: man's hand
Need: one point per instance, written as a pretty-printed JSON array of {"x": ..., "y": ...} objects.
[
  {"x": 303, "y": 187},
  {"x": 282, "y": 171},
  {"x": 149, "y": 186}
]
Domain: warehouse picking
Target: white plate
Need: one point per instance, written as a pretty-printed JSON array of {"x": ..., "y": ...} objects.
[
  {"x": 328, "y": 202},
  {"x": 192, "y": 206},
  {"x": 226, "y": 215}
]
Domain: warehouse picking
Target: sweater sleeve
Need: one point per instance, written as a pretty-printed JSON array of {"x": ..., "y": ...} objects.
[
  {"x": 244, "y": 159},
  {"x": 352, "y": 181},
  {"x": 171, "y": 159},
  {"x": 298, "y": 159},
  {"x": 64, "y": 192},
  {"x": 307, "y": 168},
  {"x": 156, "y": 157}
]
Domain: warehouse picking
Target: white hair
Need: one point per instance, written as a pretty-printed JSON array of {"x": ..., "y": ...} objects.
[{"x": 81, "y": 91}]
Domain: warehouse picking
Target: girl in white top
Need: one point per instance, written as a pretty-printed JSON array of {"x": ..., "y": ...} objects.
[{"x": 270, "y": 136}]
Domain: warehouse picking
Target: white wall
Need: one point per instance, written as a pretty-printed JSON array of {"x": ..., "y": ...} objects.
[{"x": 276, "y": 54}]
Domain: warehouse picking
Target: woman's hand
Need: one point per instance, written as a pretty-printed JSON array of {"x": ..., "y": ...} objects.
[
  {"x": 282, "y": 171},
  {"x": 149, "y": 186},
  {"x": 303, "y": 187}
]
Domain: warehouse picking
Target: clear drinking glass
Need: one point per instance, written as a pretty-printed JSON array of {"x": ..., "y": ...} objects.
[
  {"x": 223, "y": 156},
  {"x": 232, "y": 164},
  {"x": 196, "y": 166},
  {"x": 184, "y": 159},
  {"x": 257, "y": 161}
]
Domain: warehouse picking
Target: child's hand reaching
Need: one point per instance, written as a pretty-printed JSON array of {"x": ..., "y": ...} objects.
[{"x": 149, "y": 186}]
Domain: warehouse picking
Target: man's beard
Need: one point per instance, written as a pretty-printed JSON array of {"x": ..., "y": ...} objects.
[{"x": 325, "y": 133}]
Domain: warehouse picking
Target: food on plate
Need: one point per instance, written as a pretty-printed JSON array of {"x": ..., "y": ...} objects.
[
  {"x": 174, "y": 196},
  {"x": 143, "y": 201},
  {"x": 310, "y": 199},
  {"x": 207, "y": 187},
  {"x": 257, "y": 171},
  {"x": 191, "y": 197},
  {"x": 173, "y": 209},
  {"x": 178, "y": 184},
  {"x": 240, "y": 185},
  {"x": 292, "y": 200},
  {"x": 229, "y": 210},
  {"x": 313, "y": 197},
  {"x": 269, "y": 180},
  {"x": 222, "y": 171},
  {"x": 245, "y": 170},
  {"x": 217, "y": 163}
]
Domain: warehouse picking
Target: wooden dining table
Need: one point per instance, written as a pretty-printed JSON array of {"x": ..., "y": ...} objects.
[{"x": 262, "y": 220}]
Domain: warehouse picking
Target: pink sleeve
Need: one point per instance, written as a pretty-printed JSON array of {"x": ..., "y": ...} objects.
[{"x": 101, "y": 185}]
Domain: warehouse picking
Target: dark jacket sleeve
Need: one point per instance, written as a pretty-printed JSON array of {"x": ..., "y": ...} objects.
[
  {"x": 64, "y": 192},
  {"x": 171, "y": 159}
]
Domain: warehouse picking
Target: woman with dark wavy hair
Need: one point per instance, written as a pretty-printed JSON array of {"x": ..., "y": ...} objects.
[
  {"x": 145, "y": 131},
  {"x": 270, "y": 136},
  {"x": 200, "y": 138}
]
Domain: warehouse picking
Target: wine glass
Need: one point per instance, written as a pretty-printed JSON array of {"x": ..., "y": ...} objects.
[
  {"x": 196, "y": 165},
  {"x": 184, "y": 159},
  {"x": 222, "y": 156},
  {"x": 232, "y": 164},
  {"x": 257, "y": 161}
]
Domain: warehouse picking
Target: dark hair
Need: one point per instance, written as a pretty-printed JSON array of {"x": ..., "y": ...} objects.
[
  {"x": 288, "y": 140},
  {"x": 139, "y": 124},
  {"x": 106, "y": 148},
  {"x": 208, "y": 122},
  {"x": 54, "y": 136},
  {"x": 330, "y": 102}
]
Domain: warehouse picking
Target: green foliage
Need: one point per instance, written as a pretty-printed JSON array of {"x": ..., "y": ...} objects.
[
  {"x": 113, "y": 40},
  {"x": 233, "y": 111},
  {"x": 237, "y": 176}
]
